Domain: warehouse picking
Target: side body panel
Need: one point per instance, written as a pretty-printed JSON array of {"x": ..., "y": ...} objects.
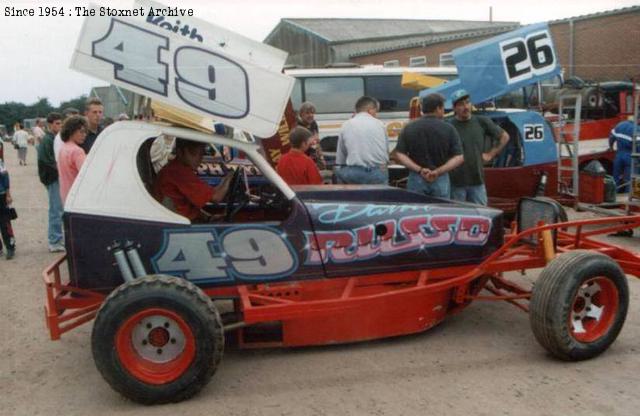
[
  {"x": 207, "y": 254},
  {"x": 382, "y": 230}
]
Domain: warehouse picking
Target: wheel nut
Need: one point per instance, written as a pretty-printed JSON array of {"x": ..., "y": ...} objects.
[
  {"x": 173, "y": 340},
  {"x": 149, "y": 326},
  {"x": 166, "y": 324},
  {"x": 159, "y": 351},
  {"x": 144, "y": 342}
]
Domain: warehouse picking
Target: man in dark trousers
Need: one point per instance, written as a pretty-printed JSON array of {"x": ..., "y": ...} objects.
[
  {"x": 429, "y": 148},
  {"x": 622, "y": 136},
  {"x": 467, "y": 181},
  {"x": 48, "y": 172}
]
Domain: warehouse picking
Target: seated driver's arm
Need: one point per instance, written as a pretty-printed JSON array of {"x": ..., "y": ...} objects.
[
  {"x": 199, "y": 193},
  {"x": 221, "y": 190}
]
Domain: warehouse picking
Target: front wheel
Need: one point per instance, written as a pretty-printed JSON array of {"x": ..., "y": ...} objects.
[
  {"x": 157, "y": 339},
  {"x": 578, "y": 305}
]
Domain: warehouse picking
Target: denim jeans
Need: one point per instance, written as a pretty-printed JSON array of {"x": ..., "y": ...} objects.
[
  {"x": 439, "y": 188},
  {"x": 55, "y": 213},
  {"x": 474, "y": 194},
  {"x": 622, "y": 170},
  {"x": 362, "y": 175}
]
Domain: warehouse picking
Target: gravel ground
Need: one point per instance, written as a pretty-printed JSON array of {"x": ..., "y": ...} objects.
[{"x": 484, "y": 361}]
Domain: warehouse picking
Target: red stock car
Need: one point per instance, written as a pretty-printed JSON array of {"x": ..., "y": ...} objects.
[{"x": 283, "y": 266}]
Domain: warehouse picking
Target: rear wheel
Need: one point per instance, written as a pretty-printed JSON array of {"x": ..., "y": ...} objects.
[
  {"x": 157, "y": 339},
  {"x": 578, "y": 305}
]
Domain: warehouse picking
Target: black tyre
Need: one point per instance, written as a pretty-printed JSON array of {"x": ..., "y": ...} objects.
[
  {"x": 578, "y": 305},
  {"x": 157, "y": 339}
]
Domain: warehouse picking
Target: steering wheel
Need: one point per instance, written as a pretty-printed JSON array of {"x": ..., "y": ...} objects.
[{"x": 236, "y": 195}]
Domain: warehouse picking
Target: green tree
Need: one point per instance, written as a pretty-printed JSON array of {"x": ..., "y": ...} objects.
[
  {"x": 12, "y": 112},
  {"x": 41, "y": 108},
  {"x": 77, "y": 103}
]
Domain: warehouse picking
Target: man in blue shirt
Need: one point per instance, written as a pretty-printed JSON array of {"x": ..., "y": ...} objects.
[{"x": 622, "y": 135}]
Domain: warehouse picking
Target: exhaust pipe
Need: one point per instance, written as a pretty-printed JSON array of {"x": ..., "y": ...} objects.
[
  {"x": 134, "y": 258},
  {"x": 121, "y": 260}
]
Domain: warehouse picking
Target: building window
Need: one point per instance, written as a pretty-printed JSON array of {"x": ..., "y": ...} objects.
[
  {"x": 446, "y": 59},
  {"x": 393, "y": 63},
  {"x": 418, "y": 61}
]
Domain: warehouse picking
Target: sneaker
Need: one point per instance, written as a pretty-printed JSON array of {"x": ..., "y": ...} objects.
[
  {"x": 10, "y": 253},
  {"x": 56, "y": 248}
]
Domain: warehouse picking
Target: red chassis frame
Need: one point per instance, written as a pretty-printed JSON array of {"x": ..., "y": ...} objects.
[{"x": 374, "y": 306}]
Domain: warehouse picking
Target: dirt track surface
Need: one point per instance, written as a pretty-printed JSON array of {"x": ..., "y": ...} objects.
[{"x": 484, "y": 361}]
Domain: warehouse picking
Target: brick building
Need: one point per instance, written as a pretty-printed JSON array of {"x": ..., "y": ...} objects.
[
  {"x": 320, "y": 42},
  {"x": 600, "y": 46}
]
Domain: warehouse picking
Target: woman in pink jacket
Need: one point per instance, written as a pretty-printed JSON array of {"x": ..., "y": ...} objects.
[{"x": 71, "y": 157}]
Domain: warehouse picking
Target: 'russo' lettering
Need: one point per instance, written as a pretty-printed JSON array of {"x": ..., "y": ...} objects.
[{"x": 413, "y": 233}]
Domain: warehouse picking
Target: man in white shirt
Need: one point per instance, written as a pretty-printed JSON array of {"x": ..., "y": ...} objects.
[
  {"x": 21, "y": 141},
  {"x": 363, "y": 147},
  {"x": 38, "y": 131}
]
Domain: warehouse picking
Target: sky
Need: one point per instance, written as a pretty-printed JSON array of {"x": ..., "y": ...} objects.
[{"x": 35, "y": 52}]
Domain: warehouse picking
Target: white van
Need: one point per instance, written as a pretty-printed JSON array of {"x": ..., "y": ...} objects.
[{"x": 334, "y": 92}]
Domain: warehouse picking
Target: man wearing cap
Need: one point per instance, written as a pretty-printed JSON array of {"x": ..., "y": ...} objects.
[
  {"x": 429, "y": 148},
  {"x": 467, "y": 181}
]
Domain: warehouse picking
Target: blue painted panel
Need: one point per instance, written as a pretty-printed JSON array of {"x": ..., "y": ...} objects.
[{"x": 502, "y": 64}]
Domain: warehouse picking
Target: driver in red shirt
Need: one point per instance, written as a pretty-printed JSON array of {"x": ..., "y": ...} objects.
[
  {"x": 295, "y": 167},
  {"x": 178, "y": 186}
]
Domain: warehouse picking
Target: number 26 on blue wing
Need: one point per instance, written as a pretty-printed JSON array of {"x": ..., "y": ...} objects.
[{"x": 526, "y": 57}]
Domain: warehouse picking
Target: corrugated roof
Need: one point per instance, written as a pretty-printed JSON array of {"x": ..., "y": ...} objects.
[
  {"x": 598, "y": 14},
  {"x": 350, "y": 30},
  {"x": 356, "y": 49}
]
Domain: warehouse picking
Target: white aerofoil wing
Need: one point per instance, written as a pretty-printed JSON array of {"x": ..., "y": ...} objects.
[
  {"x": 213, "y": 81},
  {"x": 214, "y": 37}
]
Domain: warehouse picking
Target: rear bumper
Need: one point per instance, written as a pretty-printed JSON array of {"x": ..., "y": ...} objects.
[{"x": 66, "y": 307}]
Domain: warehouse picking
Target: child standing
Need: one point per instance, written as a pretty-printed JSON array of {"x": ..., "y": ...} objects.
[
  {"x": 295, "y": 167},
  {"x": 5, "y": 219}
]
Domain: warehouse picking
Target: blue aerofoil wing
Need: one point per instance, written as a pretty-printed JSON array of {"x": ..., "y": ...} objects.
[{"x": 504, "y": 63}]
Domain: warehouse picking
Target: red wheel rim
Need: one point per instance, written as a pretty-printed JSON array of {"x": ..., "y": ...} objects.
[
  {"x": 594, "y": 309},
  {"x": 155, "y": 346}
]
